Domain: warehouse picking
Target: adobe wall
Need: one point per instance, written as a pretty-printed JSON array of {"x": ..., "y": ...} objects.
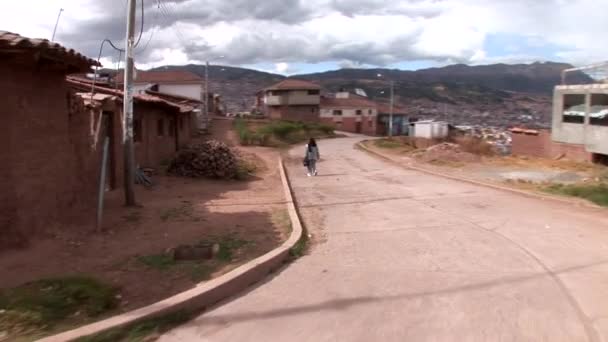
[
  {"x": 154, "y": 149},
  {"x": 541, "y": 145},
  {"x": 47, "y": 178}
]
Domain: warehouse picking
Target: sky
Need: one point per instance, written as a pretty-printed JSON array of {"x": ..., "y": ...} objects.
[{"x": 303, "y": 36}]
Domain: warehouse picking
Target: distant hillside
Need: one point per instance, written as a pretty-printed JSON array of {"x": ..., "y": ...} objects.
[
  {"x": 236, "y": 85},
  {"x": 499, "y": 94},
  {"x": 538, "y": 78}
]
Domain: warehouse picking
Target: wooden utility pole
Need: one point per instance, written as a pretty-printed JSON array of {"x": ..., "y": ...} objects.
[
  {"x": 390, "y": 122},
  {"x": 129, "y": 160}
]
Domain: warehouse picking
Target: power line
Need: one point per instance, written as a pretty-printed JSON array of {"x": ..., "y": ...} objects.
[
  {"x": 141, "y": 29},
  {"x": 168, "y": 13},
  {"x": 154, "y": 29}
]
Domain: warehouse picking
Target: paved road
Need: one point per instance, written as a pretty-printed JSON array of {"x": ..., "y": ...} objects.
[{"x": 404, "y": 256}]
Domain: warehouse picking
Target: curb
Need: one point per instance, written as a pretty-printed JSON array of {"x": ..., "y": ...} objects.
[
  {"x": 205, "y": 294},
  {"x": 481, "y": 183}
]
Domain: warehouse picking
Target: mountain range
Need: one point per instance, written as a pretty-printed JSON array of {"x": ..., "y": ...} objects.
[{"x": 497, "y": 95}]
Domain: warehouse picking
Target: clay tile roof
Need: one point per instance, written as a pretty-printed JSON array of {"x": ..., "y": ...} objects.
[
  {"x": 86, "y": 86},
  {"x": 14, "y": 43},
  {"x": 169, "y": 76},
  {"x": 353, "y": 101},
  {"x": 293, "y": 84},
  {"x": 386, "y": 109}
]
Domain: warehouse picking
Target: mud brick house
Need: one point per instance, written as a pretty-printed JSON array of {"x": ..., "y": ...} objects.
[
  {"x": 290, "y": 99},
  {"x": 160, "y": 126},
  {"x": 45, "y": 178},
  {"x": 350, "y": 113}
]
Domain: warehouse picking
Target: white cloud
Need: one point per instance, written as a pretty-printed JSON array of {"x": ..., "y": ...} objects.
[
  {"x": 281, "y": 67},
  {"x": 355, "y": 32}
]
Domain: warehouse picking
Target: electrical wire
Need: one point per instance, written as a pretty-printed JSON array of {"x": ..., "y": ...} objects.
[
  {"x": 168, "y": 13},
  {"x": 141, "y": 29},
  {"x": 154, "y": 29}
]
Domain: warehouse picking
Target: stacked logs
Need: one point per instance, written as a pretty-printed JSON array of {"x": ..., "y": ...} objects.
[{"x": 210, "y": 159}]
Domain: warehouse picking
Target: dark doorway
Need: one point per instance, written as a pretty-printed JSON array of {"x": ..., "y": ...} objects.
[{"x": 358, "y": 127}]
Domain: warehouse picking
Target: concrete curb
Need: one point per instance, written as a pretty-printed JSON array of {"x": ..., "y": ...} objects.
[
  {"x": 480, "y": 183},
  {"x": 205, "y": 294}
]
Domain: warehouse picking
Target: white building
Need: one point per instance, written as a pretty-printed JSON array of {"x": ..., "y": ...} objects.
[
  {"x": 179, "y": 83},
  {"x": 431, "y": 129},
  {"x": 580, "y": 117}
]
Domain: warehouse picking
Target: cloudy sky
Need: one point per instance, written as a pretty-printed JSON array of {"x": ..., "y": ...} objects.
[{"x": 296, "y": 36}]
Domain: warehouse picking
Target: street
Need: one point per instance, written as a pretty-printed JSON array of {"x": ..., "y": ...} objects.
[{"x": 399, "y": 255}]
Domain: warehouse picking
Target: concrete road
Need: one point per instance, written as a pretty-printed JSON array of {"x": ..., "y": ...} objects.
[{"x": 404, "y": 256}]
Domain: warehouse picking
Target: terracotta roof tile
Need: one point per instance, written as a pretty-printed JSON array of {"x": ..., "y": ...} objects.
[
  {"x": 86, "y": 86},
  {"x": 353, "y": 101},
  {"x": 12, "y": 42},
  {"x": 386, "y": 109},
  {"x": 293, "y": 84}
]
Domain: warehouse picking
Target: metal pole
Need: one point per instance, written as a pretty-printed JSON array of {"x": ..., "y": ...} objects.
[
  {"x": 128, "y": 109},
  {"x": 102, "y": 181},
  {"x": 390, "y": 122},
  {"x": 206, "y": 110},
  {"x": 56, "y": 23}
]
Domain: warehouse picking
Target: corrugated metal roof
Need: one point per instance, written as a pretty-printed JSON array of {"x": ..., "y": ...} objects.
[{"x": 12, "y": 42}]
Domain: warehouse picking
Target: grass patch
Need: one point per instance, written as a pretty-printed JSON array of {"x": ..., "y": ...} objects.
[
  {"x": 475, "y": 146},
  {"x": 596, "y": 193},
  {"x": 388, "y": 143},
  {"x": 157, "y": 261},
  {"x": 132, "y": 217},
  {"x": 245, "y": 169},
  {"x": 186, "y": 210},
  {"x": 42, "y": 304},
  {"x": 228, "y": 246},
  {"x": 299, "y": 249},
  {"x": 142, "y": 330},
  {"x": 277, "y": 133}
]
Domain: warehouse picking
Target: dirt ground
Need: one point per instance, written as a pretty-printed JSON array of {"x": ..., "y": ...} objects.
[
  {"x": 175, "y": 211},
  {"x": 498, "y": 169}
]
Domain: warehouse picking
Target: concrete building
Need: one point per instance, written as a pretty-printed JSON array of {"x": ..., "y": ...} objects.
[
  {"x": 429, "y": 129},
  {"x": 350, "y": 112},
  {"x": 290, "y": 99},
  {"x": 579, "y": 129},
  {"x": 580, "y": 118},
  {"x": 180, "y": 83}
]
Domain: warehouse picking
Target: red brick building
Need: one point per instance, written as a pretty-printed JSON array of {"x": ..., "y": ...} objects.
[
  {"x": 350, "y": 113},
  {"x": 290, "y": 99},
  {"x": 46, "y": 178}
]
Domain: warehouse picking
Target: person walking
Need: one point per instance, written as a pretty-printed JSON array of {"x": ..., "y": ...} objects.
[{"x": 311, "y": 157}]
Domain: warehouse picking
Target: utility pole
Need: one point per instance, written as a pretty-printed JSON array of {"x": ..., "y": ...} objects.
[
  {"x": 129, "y": 160},
  {"x": 206, "y": 100},
  {"x": 390, "y": 117},
  {"x": 56, "y": 23}
]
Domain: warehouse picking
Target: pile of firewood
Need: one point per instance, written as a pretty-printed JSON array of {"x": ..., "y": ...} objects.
[{"x": 211, "y": 159}]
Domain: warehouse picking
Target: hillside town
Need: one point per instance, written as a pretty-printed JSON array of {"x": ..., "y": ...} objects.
[{"x": 146, "y": 200}]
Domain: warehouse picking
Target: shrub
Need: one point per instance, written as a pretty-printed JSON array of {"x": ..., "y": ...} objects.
[{"x": 475, "y": 146}]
